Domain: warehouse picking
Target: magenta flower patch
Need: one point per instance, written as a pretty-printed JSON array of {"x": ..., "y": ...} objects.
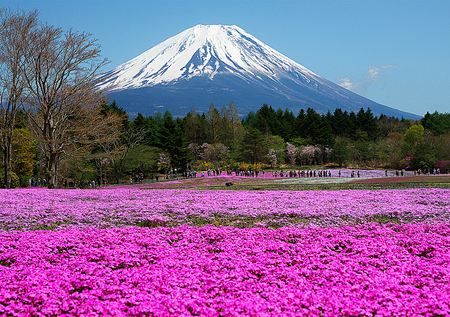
[
  {"x": 32, "y": 209},
  {"x": 335, "y": 253},
  {"x": 381, "y": 270}
]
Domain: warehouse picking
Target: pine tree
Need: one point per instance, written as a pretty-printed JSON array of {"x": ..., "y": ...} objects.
[{"x": 170, "y": 139}]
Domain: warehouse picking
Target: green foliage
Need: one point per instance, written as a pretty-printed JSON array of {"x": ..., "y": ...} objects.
[
  {"x": 169, "y": 137},
  {"x": 142, "y": 159},
  {"x": 357, "y": 139},
  {"x": 425, "y": 151},
  {"x": 437, "y": 123},
  {"x": 194, "y": 127},
  {"x": 368, "y": 123},
  {"x": 413, "y": 134},
  {"x": 23, "y": 159},
  {"x": 340, "y": 153},
  {"x": 15, "y": 181},
  {"x": 115, "y": 109},
  {"x": 252, "y": 146}
]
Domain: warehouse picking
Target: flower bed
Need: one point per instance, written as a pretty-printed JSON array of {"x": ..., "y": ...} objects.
[
  {"x": 371, "y": 269},
  {"x": 32, "y": 209},
  {"x": 348, "y": 252}
]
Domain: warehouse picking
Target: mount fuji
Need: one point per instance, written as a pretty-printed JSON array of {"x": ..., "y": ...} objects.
[{"x": 218, "y": 64}]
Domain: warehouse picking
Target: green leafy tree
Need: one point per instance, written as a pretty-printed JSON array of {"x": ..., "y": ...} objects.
[
  {"x": 142, "y": 159},
  {"x": 24, "y": 157},
  {"x": 390, "y": 150},
  {"x": 413, "y": 134},
  {"x": 262, "y": 119},
  {"x": 236, "y": 128},
  {"x": 224, "y": 127},
  {"x": 194, "y": 127}
]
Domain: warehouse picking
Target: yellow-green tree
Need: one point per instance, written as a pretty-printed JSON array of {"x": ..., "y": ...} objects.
[
  {"x": 413, "y": 134},
  {"x": 23, "y": 157}
]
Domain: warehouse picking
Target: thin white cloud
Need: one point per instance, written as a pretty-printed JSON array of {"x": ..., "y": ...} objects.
[{"x": 370, "y": 78}]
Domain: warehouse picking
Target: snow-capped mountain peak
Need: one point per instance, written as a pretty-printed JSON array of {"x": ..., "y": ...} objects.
[
  {"x": 221, "y": 63},
  {"x": 205, "y": 50}
]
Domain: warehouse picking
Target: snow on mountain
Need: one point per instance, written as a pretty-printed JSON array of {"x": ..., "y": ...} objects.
[
  {"x": 219, "y": 63},
  {"x": 205, "y": 50}
]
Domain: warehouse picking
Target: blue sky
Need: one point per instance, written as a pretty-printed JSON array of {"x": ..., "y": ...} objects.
[{"x": 396, "y": 53}]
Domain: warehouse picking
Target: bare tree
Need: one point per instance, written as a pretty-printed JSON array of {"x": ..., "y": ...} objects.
[
  {"x": 116, "y": 150},
  {"x": 212, "y": 123},
  {"x": 193, "y": 127},
  {"x": 104, "y": 130},
  {"x": 60, "y": 71},
  {"x": 236, "y": 129},
  {"x": 224, "y": 127},
  {"x": 15, "y": 27}
]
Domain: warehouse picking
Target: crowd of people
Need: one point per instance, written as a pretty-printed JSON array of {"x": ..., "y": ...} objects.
[
  {"x": 434, "y": 171},
  {"x": 189, "y": 173}
]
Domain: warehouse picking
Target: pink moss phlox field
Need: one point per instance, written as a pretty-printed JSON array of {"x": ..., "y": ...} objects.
[
  {"x": 31, "y": 209},
  {"x": 332, "y": 255},
  {"x": 365, "y": 270}
]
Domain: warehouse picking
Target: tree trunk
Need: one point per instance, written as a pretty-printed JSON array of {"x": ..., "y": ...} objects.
[
  {"x": 7, "y": 154},
  {"x": 8, "y": 168},
  {"x": 101, "y": 175},
  {"x": 52, "y": 178}
]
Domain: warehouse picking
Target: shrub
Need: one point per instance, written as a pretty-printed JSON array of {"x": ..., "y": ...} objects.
[{"x": 15, "y": 181}]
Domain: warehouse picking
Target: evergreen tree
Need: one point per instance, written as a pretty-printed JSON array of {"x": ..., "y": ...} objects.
[
  {"x": 311, "y": 123},
  {"x": 437, "y": 123},
  {"x": 323, "y": 136},
  {"x": 353, "y": 125},
  {"x": 368, "y": 123},
  {"x": 144, "y": 124},
  {"x": 261, "y": 119},
  {"x": 300, "y": 124},
  {"x": 170, "y": 139},
  {"x": 249, "y": 119},
  {"x": 252, "y": 146},
  {"x": 288, "y": 126},
  {"x": 340, "y": 123},
  {"x": 340, "y": 153}
]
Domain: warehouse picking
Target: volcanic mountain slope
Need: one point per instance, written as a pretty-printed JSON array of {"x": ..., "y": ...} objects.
[{"x": 218, "y": 64}]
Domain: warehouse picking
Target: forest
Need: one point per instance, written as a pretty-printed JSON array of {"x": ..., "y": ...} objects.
[{"x": 265, "y": 139}]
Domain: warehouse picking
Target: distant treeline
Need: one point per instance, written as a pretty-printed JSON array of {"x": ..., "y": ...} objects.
[
  {"x": 221, "y": 139},
  {"x": 267, "y": 138}
]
